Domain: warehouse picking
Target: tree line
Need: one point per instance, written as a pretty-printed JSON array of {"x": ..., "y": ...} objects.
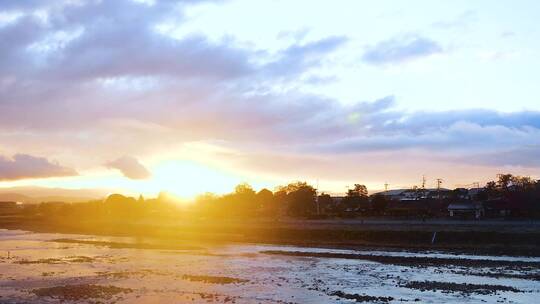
[{"x": 296, "y": 199}]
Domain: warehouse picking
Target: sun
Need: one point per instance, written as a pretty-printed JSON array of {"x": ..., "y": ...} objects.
[{"x": 186, "y": 178}]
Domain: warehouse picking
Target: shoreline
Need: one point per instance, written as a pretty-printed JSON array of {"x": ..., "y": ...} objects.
[{"x": 458, "y": 239}]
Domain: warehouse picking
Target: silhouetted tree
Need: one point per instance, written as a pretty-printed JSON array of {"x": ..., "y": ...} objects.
[
  {"x": 325, "y": 202},
  {"x": 280, "y": 200},
  {"x": 355, "y": 198},
  {"x": 122, "y": 207},
  {"x": 300, "y": 198},
  {"x": 358, "y": 190},
  {"x": 243, "y": 200},
  {"x": 504, "y": 182},
  {"x": 266, "y": 202},
  {"x": 522, "y": 193}
]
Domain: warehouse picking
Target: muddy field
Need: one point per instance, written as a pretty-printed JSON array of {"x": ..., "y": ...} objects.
[{"x": 56, "y": 268}]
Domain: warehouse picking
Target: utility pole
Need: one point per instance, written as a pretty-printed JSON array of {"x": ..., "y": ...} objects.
[
  {"x": 317, "y": 198},
  {"x": 423, "y": 194},
  {"x": 385, "y": 188},
  {"x": 439, "y": 182}
]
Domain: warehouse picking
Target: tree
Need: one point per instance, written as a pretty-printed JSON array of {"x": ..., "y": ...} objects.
[
  {"x": 491, "y": 189},
  {"x": 507, "y": 184},
  {"x": 325, "y": 202},
  {"x": 244, "y": 189},
  {"x": 358, "y": 191},
  {"x": 523, "y": 183},
  {"x": 280, "y": 200},
  {"x": 266, "y": 202},
  {"x": 505, "y": 180},
  {"x": 243, "y": 200},
  {"x": 355, "y": 198},
  {"x": 300, "y": 198},
  {"x": 121, "y": 206},
  {"x": 522, "y": 193}
]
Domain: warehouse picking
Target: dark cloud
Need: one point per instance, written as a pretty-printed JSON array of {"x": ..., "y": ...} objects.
[
  {"x": 22, "y": 166},
  {"x": 401, "y": 49},
  {"x": 130, "y": 167}
]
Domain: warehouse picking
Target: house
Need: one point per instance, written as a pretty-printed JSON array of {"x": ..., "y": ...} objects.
[
  {"x": 394, "y": 195},
  {"x": 466, "y": 209},
  {"x": 415, "y": 194},
  {"x": 403, "y": 194}
]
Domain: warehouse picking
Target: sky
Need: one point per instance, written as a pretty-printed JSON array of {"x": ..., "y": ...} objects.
[{"x": 141, "y": 96}]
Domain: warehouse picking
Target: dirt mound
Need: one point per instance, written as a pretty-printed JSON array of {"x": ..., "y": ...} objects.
[
  {"x": 362, "y": 298},
  {"x": 464, "y": 288}
]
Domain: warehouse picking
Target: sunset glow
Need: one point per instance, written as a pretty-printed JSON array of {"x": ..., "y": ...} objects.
[{"x": 201, "y": 96}]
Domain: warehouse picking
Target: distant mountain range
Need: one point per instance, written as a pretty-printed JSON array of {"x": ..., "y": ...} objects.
[{"x": 34, "y": 195}]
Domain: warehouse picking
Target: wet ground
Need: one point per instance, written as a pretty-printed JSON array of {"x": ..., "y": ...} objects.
[{"x": 56, "y": 268}]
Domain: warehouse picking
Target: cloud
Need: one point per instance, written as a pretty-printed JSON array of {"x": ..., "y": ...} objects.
[
  {"x": 524, "y": 156},
  {"x": 23, "y": 166},
  {"x": 401, "y": 49},
  {"x": 130, "y": 167},
  {"x": 107, "y": 61},
  {"x": 97, "y": 78},
  {"x": 299, "y": 57},
  {"x": 472, "y": 137}
]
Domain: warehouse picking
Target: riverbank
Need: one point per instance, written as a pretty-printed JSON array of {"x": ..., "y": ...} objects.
[{"x": 489, "y": 238}]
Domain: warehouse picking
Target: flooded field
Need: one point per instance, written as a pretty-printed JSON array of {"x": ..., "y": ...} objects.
[{"x": 56, "y": 268}]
